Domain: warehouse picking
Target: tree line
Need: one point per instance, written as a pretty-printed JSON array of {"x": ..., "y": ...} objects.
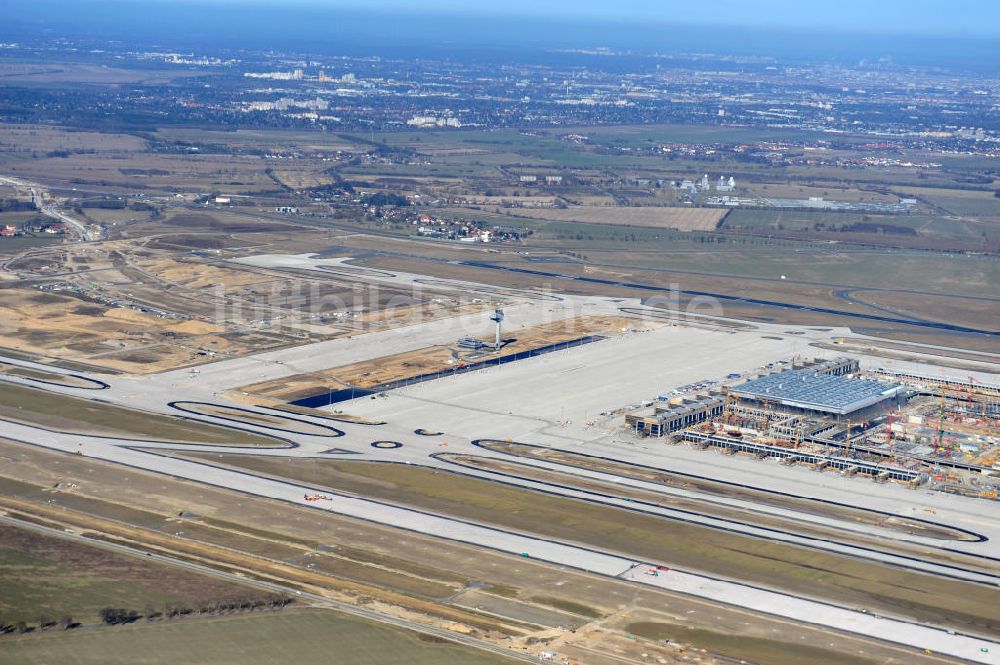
[{"x": 116, "y": 616}]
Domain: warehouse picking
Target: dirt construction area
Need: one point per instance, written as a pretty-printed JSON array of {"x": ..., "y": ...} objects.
[
  {"x": 71, "y": 327},
  {"x": 126, "y": 307}
]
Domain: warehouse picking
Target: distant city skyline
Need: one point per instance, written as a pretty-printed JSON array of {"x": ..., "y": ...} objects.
[{"x": 958, "y": 17}]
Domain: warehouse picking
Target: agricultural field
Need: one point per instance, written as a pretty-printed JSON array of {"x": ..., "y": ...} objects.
[
  {"x": 112, "y": 162},
  {"x": 793, "y": 191},
  {"x": 113, "y": 217},
  {"x": 680, "y": 219},
  {"x": 25, "y": 140},
  {"x": 17, "y": 244},
  {"x": 311, "y": 636},
  {"x": 263, "y": 139},
  {"x": 920, "y": 231},
  {"x": 636, "y": 135}
]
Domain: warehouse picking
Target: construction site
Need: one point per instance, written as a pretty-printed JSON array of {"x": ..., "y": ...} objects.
[
  {"x": 377, "y": 376},
  {"x": 885, "y": 424}
]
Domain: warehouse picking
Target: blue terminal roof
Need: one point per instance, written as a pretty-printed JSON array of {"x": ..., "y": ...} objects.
[{"x": 805, "y": 389}]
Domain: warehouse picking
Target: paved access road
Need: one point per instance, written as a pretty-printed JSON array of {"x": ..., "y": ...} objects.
[{"x": 50, "y": 210}]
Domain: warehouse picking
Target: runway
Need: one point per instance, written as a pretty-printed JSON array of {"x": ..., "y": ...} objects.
[{"x": 535, "y": 547}]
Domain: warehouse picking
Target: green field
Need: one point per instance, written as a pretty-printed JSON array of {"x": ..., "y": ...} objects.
[
  {"x": 948, "y": 275},
  {"x": 33, "y": 587},
  {"x": 79, "y": 415},
  {"x": 804, "y": 220},
  {"x": 841, "y": 579},
  {"x": 807, "y": 220},
  {"x": 46, "y": 576},
  {"x": 639, "y": 134},
  {"x": 289, "y": 637},
  {"x": 974, "y": 203},
  {"x": 17, "y": 244}
]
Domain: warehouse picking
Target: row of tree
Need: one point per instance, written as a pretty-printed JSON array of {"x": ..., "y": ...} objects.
[
  {"x": 116, "y": 616},
  {"x": 44, "y": 623}
]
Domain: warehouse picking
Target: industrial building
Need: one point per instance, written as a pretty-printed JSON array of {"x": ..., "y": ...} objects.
[{"x": 471, "y": 343}]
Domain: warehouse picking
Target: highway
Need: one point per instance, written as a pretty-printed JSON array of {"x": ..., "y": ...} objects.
[{"x": 50, "y": 210}]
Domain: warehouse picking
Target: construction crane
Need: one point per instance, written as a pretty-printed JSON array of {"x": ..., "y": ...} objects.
[
  {"x": 888, "y": 432},
  {"x": 940, "y": 429}
]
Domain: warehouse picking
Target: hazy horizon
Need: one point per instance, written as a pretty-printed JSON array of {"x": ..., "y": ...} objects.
[
  {"x": 924, "y": 17},
  {"x": 389, "y": 27}
]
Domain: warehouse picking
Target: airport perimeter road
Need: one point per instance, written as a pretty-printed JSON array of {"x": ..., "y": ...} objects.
[{"x": 778, "y": 604}]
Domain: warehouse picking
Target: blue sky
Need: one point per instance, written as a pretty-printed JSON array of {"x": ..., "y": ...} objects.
[{"x": 953, "y": 17}]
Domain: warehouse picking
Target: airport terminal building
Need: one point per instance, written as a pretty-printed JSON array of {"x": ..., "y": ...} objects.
[
  {"x": 809, "y": 392},
  {"x": 822, "y": 389}
]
